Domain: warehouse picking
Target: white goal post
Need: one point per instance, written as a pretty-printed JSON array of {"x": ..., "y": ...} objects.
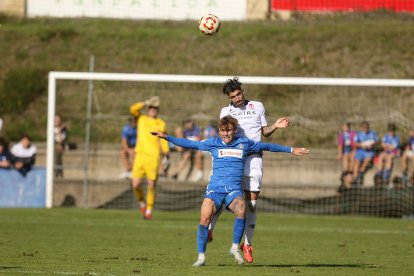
[{"x": 173, "y": 78}]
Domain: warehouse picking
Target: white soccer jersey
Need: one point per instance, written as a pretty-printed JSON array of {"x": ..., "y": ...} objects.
[{"x": 251, "y": 119}]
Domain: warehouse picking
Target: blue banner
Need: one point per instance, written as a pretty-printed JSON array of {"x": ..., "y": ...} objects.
[{"x": 19, "y": 191}]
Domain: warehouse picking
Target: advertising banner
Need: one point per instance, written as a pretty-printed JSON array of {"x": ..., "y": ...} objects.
[
  {"x": 139, "y": 9},
  {"x": 343, "y": 5}
]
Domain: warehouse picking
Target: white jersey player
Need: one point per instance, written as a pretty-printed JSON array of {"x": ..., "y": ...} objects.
[{"x": 252, "y": 124}]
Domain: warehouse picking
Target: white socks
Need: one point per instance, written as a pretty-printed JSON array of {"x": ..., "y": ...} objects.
[
  {"x": 250, "y": 221},
  {"x": 215, "y": 218}
]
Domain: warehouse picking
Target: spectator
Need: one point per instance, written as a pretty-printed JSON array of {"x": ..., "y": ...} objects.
[
  {"x": 378, "y": 182},
  {"x": 191, "y": 132},
  {"x": 5, "y": 156},
  {"x": 408, "y": 155},
  {"x": 1, "y": 124},
  {"x": 60, "y": 136},
  {"x": 346, "y": 147},
  {"x": 211, "y": 130},
  {"x": 128, "y": 142},
  {"x": 346, "y": 182},
  {"x": 365, "y": 141},
  {"x": 390, "y": 144},
  {"x": 397, "y": 182},
  {"x": 24, "y": 155}
]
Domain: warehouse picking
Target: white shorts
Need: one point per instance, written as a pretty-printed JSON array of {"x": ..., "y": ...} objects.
[{"x": 253, "y": 173}]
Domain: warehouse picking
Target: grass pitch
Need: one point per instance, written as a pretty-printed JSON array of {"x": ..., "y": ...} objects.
[{"x": 114, "y": 242}]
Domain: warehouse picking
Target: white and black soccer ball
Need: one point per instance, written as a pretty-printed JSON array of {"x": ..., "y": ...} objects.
[{"x": 209, "y": 24}]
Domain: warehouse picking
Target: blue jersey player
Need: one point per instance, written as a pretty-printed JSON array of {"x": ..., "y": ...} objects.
[
  {"x": 229, "y": 154},
  {"x": 365, "y": 141},
  {"x": 390, "y": 144}
]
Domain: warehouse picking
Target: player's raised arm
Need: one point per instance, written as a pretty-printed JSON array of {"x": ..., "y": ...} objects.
[{"x": 280, "y": 123}]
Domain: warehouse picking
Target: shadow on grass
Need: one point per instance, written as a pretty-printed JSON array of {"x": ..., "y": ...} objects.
[
  {"x": 9, "y": 267},
  {"x": 308, "y": 265}
]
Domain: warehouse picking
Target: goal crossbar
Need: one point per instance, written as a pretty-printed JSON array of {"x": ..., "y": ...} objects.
[{"x": 174, "y": 78}]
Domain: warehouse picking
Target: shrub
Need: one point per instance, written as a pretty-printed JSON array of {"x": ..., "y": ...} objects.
[{"x": 20, "y": 87}]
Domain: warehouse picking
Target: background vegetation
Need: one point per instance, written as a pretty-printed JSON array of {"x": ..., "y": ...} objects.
[{"x": 376, "y": 45}]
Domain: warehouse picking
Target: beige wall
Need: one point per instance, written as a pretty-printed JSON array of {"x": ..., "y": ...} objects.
[
  {"x": 13, "y": 7},
  {"x": 257, "y": 9}
]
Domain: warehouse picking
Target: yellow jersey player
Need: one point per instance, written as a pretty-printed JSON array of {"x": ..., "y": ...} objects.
[{"x": 147, "y": 152}]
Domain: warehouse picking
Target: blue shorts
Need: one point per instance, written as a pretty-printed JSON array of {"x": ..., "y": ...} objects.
[
  {"x": 220, "y": 198},
  {"x": 347, "y": 149},
  {"x": 361, "y": 155}
]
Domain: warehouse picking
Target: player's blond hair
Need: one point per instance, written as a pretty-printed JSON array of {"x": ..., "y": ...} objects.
[{"x": 228, "y": 120}]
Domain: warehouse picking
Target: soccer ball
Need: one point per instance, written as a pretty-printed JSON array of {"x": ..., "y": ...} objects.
[{"x": 209, "y": 24}]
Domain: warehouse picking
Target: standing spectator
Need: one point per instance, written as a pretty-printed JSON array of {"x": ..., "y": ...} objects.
[
  {"x": 390, "y": 144},
  {"x": 5, "y": 156},
  {"x": 408, "y": 155},
  {"x": 193, "y": 133},
  {"x": 60, "y": 136},
  {"x": 128, "y": 142},
  {"x": 365, "y": 141},
  {"x": 346, "y": 147},
  {"x": 24, "y": 154},
  {"x": 147, "y": 152}
]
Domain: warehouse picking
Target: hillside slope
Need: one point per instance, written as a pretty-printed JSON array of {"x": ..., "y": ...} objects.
[{"x": 371, "y": 46}]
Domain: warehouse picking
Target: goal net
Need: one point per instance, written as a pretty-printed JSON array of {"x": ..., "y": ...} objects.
[{"x": 95, "y": 107}]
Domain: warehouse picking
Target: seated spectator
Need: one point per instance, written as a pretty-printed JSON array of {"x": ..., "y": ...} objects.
[
  {"x": 346, "y": 182},
  {"x": 210, "y": 131},
  {"x": 408, "y": 155},
  {"x": 128, "y": 142},
  {"x": 390, "y": 144},
  {"x": 191, "y": 132},
  {"x": 365, "y": 141},
  {"x": 5, "y": 156},
  {"x": 346, "y": 148},
  {"x": 60, "y": 134},
  {"x": 24, "y": 155}
]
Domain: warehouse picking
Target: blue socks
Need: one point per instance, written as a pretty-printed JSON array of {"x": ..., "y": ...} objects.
[
  {"x": 238, "y": 229},
  {"x": 202, "y": 236}
]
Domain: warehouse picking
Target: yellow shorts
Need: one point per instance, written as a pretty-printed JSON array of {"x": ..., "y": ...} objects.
[{"x": 145, "y": 165}]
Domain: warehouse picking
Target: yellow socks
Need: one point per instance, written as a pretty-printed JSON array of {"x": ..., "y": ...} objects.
[{"x": 150, "y": 198}]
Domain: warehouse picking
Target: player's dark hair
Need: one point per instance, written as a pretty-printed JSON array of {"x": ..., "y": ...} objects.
[
  {"x": 232, "y": 85},
  {"x": 228, "y": 120}
]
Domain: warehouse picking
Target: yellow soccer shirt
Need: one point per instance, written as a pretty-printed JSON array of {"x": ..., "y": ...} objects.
[{"x": 147, "y": 143}]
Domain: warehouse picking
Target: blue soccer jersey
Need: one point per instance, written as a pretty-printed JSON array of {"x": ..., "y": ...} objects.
[
  {"x": 130, "y": 134},
  {"x": 228, "y": 159},
  {"x": 392, "y": 140},
  {"x": 366, "y": 138},
  {"x": 411, "y": 143}
]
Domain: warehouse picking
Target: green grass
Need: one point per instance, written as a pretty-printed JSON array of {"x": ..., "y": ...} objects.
[{"x": 113, "y": 242}]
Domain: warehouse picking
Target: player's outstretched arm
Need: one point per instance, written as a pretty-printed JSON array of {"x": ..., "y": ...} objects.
[
  {"x": 159, "y": 134},
  {"x": 280, "y": 123},
  {"x": 259, "y": 146},
  {"x": 182, "y": 142},
  {"x": 300, "y": 151}
]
